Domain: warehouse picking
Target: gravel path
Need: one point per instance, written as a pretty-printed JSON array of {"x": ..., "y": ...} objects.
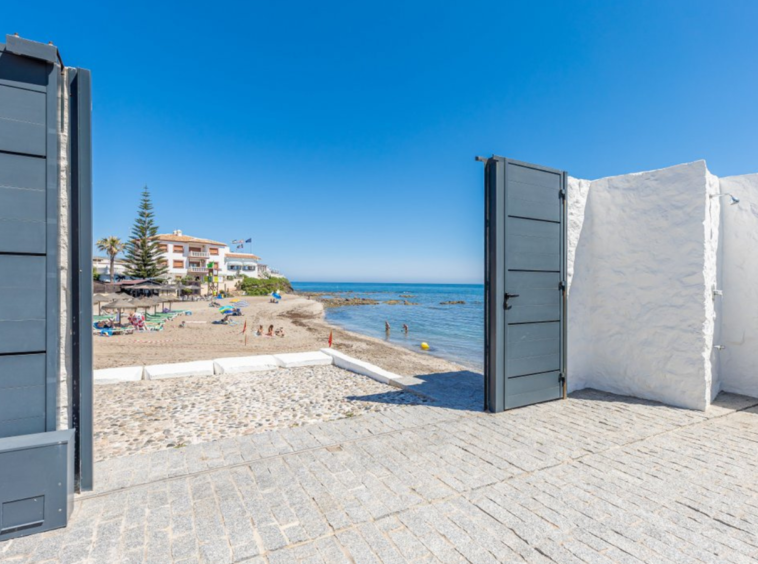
[{"x": 148, "y": 416}]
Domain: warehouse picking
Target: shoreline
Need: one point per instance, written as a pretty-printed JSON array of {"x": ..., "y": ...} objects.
[{"x": 304, "y": 324}]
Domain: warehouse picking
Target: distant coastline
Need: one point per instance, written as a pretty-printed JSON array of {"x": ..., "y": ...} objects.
[{"x": 450, "y": 317}]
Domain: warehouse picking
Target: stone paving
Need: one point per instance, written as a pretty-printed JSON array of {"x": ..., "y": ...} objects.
[
  {"x": 595, "y": 478},
  {"x": 147, "y": 416}
]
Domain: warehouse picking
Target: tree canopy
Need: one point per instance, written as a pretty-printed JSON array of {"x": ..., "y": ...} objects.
[{"x": 142, "y": 252}]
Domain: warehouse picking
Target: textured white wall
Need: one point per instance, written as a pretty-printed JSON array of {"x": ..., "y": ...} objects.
[
  {"x": 739, "y": 328},
  {"x": 712, "y": 268},
  {"x": 579, "y": 283},
  {"x": 64, "y": 258},
  {"x": 641, "y": 312}
]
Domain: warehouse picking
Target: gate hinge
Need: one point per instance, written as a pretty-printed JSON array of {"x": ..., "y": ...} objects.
[
  {"x": 562, "y": 285},
  {"x": 562, "y": 194},
  {"x": 561, "y": 378}
]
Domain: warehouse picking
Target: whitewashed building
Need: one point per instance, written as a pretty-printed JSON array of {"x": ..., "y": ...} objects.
[
  {"x": 102, "y": 265},
  {"x": 187, "y": 256}
]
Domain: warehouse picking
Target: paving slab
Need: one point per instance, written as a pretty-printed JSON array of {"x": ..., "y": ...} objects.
[{"x": 594, "y": 478}]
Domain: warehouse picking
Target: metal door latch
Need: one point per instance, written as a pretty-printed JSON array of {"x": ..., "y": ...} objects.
[
  {"x": 561, "y": 378},
  {"x": 507, "y": 297},
  {"x": 562, "y": 285}
]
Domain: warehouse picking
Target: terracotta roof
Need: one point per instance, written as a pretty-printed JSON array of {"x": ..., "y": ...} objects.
[
  {"x": 243, "y": 256},
  {"x": 187, "y": 239}
]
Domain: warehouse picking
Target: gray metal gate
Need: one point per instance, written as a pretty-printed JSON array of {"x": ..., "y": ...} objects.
[
  {"x": 525, "y": 273},
  {"x": 38, "y": 461}
]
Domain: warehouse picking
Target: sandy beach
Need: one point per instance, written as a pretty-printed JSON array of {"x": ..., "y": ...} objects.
[{"x": 303, "y": 323}]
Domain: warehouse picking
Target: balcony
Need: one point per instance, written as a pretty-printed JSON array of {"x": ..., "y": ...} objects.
[
  {"x": 197, "y": 269},
  {"x": 199, "y": 254}
]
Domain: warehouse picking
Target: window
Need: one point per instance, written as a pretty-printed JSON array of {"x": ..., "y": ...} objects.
[
  {"x": 178, "y": 248},
  {"x": 214, "y": 251},
  {"x": 178, "y": 264},
  {"x": 162, "y": 247},
  {"x": 196, "y": 250}
]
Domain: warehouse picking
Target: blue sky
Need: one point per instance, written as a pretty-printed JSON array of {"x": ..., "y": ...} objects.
[{"x": 341, "y": 136}]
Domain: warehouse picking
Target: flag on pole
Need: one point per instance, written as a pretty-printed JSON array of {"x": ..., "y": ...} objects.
[
  {"x": 330, "y": 339},
  {"x": 249, "y": 240},
  {"x": 244, "y": 327}
]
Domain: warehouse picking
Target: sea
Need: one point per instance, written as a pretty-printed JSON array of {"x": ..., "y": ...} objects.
[{"x": 453, "y": 332}]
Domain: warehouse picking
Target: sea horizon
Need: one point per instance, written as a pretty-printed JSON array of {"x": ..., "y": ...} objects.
[{"x": 454, "y": 332}]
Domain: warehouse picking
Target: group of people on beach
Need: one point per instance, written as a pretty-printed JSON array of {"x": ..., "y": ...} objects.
[{"x": 270, "y": 333}]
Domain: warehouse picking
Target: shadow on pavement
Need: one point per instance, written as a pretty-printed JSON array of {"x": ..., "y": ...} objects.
[{"x": 462, "y": 390}]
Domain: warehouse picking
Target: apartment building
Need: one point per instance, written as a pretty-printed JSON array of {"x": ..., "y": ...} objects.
[{"x": 192, "y": 257}]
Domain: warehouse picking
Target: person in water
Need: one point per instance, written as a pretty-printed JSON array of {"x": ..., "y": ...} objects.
[
  {"x": 405, "y": 328},
  {"x": 387, "y": 328}
]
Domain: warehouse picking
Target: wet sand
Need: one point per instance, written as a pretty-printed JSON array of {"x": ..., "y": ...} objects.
[{"x": 304, "y": 327}]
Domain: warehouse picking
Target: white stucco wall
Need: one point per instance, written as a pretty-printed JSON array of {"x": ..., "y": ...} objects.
[
  {"x": 640, "y": 307},
  {"x": 64, "y": 258},
  {"x": 579, "y": 283},
  {"x": 739, "y": 304},
  {"x": 712, "y": 273}
]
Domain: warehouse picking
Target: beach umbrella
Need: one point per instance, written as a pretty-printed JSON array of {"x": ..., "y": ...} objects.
[
  {"x": 101, "y": 299},
  {"x": 167, "y": 300},
  {"x": 276, "y": 295},
  {"x": 120, "y": 305},
  {"x": 144, "y": 303}
]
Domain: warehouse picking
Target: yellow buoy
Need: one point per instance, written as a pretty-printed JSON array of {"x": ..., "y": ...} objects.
[{"x": 425, "y": 346}]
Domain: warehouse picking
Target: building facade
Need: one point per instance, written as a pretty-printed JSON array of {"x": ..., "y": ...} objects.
[
  {"x": 191, "y": 257},
  {"x": 102, "y": 265}
]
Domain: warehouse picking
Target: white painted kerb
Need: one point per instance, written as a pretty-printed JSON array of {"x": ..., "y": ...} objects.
[
  {"x": 236, "y": 365},
  {"x": 341, "y": 360},
  {"x": 179, "y": 370},
  {"x": 293, "y": 360},
  {"x": 116, "y": 375}
]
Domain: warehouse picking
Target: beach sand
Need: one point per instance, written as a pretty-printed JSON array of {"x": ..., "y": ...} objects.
[{"x": 303, "y": 323}]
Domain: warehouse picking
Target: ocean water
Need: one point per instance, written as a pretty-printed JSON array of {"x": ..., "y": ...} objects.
[{"x": 453, "y": 332}]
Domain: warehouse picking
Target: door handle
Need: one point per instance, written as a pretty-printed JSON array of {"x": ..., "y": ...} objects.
[{"x": 507, "y": 297}]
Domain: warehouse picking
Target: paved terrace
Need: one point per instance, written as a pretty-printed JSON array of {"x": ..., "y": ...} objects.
[{"x": 597, "y": 478}]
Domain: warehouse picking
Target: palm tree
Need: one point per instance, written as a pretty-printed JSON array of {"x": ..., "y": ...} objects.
[{"x": 111, "y": 246}]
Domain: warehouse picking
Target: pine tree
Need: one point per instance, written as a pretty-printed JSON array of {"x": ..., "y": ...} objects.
[{"x": 142, "y": 253}]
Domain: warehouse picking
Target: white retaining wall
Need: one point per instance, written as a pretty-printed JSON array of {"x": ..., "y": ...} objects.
[
  {"x": 642, "y": 265},
  {"x": 739, "y": 330}
]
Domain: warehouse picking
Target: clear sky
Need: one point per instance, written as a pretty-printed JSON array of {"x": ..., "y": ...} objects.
[{"x": 341, "y": 136}]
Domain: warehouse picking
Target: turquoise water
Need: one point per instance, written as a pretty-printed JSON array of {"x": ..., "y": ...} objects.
[{"x": 454, "y": 332}]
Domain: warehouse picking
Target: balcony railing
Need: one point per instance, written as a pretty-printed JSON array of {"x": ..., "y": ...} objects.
[
  {"x": 199, "y": 254},
  {"x": 197, "y": 269}
]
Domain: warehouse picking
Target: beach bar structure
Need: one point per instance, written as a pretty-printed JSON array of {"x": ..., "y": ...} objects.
[
  {"x": 642, "y": 284},
  {"x": 45, "y": 287}
]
